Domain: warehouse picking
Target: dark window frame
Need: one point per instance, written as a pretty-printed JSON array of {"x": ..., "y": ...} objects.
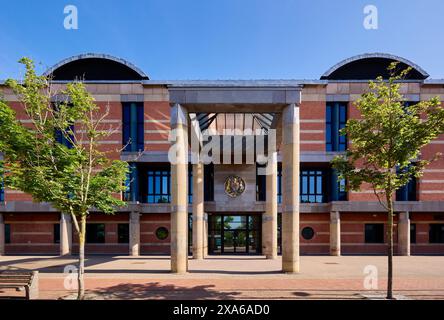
[
  {"x": 209, "y": 182},
  {"x": 336, "y": 116},
  {"x": 378, "y": 236},
  {"x": 306, "y": 175},
  {"x": 436, "y": 236},
  {"x": 56, "y": 233},
  {"x": 412, "y": 232},
  {"x": 261, "y": 187},
  {"x": 123, "y": 236},
  {"x": 156, "y": 183},
  {"x": 133, "y": 115},
  {"x": 7, "y": 233},
  {"x": 95, "y": 237}
]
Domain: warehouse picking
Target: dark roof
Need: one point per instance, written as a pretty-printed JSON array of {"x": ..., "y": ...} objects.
[
  {"x": 370, "y": 66},
  {"x": 92, "y": 66}
]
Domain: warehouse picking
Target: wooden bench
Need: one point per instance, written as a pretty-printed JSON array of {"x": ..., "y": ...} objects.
[{"x": 27, "y": 281}]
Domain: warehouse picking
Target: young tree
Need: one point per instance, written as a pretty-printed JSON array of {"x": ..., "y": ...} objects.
[
  {"x": 57, "y": 157},
  {"x": 386, "y": 143}
]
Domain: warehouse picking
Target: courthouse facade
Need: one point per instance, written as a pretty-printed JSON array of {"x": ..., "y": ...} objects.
[{"x": 219, "y": 208}]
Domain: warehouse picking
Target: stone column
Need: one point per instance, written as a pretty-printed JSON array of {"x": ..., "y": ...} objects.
[
  {"x": 404, "y": 234},
  {"x": 335, "y": 233},
  {"x": 269, "y": 218},
  {"x": 179, "y": 189},
  {"x": 290, "y": 189},
  {"x": 134, "y": 234},
  {"x": 65, "y": 234},
  {"x": 2, "y": 235},
  {"x": 198, "y": 211}
]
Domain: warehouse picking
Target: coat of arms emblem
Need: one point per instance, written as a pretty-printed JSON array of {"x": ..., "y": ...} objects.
[{"x": 234, "y": 186}]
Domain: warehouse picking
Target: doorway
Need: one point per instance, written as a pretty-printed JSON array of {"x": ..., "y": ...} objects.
[{"x": 234, "y": 234}]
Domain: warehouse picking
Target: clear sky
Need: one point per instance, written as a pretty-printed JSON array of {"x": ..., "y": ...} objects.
[{"x": 223, "y": 39}]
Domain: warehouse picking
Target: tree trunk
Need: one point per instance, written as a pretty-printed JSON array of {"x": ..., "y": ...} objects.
[
  {"x": 80, "y": 278},
  {"x": 390, "y": 247}
]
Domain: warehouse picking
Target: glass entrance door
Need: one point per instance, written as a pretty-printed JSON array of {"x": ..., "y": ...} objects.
[{"x": 234, "y": 234}]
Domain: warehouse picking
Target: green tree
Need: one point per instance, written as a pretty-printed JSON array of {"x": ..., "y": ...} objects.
[
  {"x": 386, "y": 143},
  {"x": 74, "y": 177}
]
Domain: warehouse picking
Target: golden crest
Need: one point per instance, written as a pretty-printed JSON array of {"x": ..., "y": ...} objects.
[{"x": 234, "y": 186}]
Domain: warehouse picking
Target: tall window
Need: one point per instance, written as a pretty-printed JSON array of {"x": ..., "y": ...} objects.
[
  {"x": 209, "y": 182},
  {"x": 190, "y": 184},
  {"x": 62, "y": 139},
  {"x": 56, "y": 232},
  {"x": 260, "y": 184},
  {"x": 123, "y": 232},
  {"x": 336, "y": 119},
  {"x": 2, "y": 190},
  {"x": 95, "y": 233},
  {"x": 159, "y": 186},
  {"x": 279, "y": 183},
  {"x": 374, "y": 233},
  {"x": 407, "y": 192},
  {"x": 133, "y": 128},
  {"x": 312, "y": 187},
  {"x": 413, "y": 232},
  {"x": 436, "y": 233},
  {"x": 7, "y": 233},
  {"x": 338, "y": 187},
  {"x": 131, "y": 184}
]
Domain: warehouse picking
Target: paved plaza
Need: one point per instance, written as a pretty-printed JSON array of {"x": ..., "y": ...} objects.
[{"x": 234, "y": 277}]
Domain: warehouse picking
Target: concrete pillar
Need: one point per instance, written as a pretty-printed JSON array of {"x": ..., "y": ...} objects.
[
  {"x": 179, "y": 189},
  {"x": 404, "y": 234},
  {"x": 205, "y": 235},
  {"x": 2, "y": 235},
  {"x": 335, "y": 233},
  {"x": 290, "y": 189},
  {"x": 198, "y": 211},
  {"x": 65, "y": 234},
  {"x": 134, "y": 234},
  {"x": 269, "y": 218}
]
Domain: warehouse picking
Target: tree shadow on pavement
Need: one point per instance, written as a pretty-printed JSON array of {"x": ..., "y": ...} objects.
[{"x": 155, "y": 290}]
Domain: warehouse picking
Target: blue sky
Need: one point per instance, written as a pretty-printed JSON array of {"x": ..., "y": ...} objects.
[{"x": 222, "y": 39}]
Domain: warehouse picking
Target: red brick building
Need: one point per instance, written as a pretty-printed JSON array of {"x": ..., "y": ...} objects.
[{"x": 331, "y": 220}]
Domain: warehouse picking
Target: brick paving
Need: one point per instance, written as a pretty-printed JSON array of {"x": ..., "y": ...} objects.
[{"x": 234, "y": 277}]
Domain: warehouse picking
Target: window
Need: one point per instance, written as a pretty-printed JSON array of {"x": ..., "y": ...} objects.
[
  {"x": 131, "y": 184},
  {"x": 56, "y": 232},
  {"x": 62, "y": 139},
  {"x": 312, "y": 186},
  {"x": 338, "y": 187},
  {"x": 374, "y": 233},
  {"x": 2, "y": 190},
  {"x": 190, "y": 184},
  {"x": 336, "y": 119},
  {"x": 209, "y": 182},
  {"x": 412, "y": 233},
  {"x": 307, "y": 233},
  {"x": 279, "y": 183},
  {"x": 260, "y": 184},
  {"x": 436, "y": 233},
  {"x": 95, "y": 233},
  {"x": 123, "y": 232},
  {"x": 7, "y": 233},
  {"x": 162, "y": 233},
  {"x": 159, "y": 185},
  {"x": 133, "y": 126},
  {"x": 407, "y": 192}
]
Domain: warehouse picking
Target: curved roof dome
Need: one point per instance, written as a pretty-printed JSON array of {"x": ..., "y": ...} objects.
[
  {"x": 93, "y": 66},
  {"x": 370, "y": 66}
]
